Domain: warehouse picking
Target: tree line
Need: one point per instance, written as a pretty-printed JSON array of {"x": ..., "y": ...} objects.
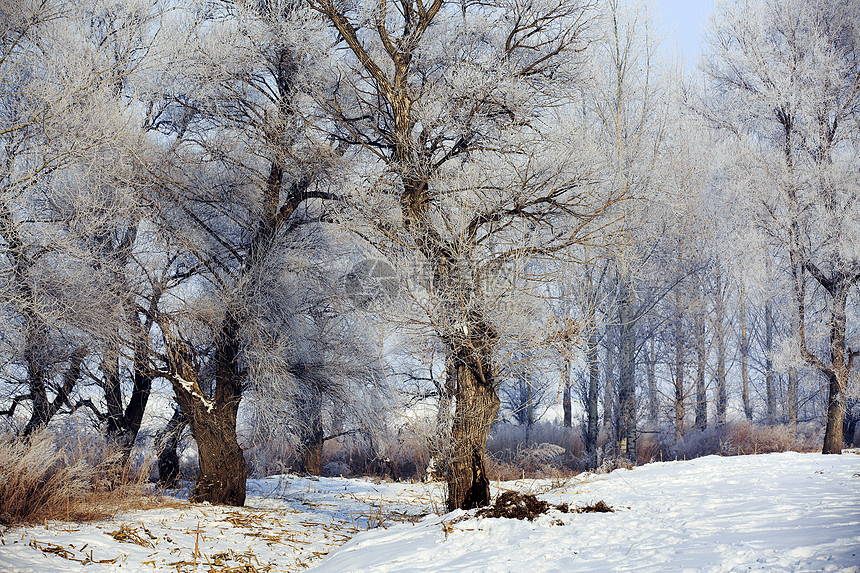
[{"x": 291, "y": 211}]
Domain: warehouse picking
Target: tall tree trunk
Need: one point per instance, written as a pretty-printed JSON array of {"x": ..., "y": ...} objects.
[
  {"x": 720, "y": 333},
  {"x": 679, "y": 370},
  {"x": 530, "y": 409},
  {"x": 745, "y": 350},
  {"x": 311, "y": 448},
  {"x": 627, "y": 407},
  {"x": 477, "y": 404},
  {"x": 651, "y": 372},
  {"x": 113, "y": 393},
  {"x": 223, "y": 469},
  {"x": 701, "y": 363},
  {"x": 35, "y": 361},
  {"x": 835, "y": 419},
  {"x": 770, "y": 389},
  {"x": 608, "y": 385},
  {"x": 124, "y": 420},
  {"x": 566, "y": 405},
  {"x": 592, "y": 421},
  {"x": 167, "y": 444},
  {"x": 839, "y": 371},
  {"x": 792, "y": 397}
]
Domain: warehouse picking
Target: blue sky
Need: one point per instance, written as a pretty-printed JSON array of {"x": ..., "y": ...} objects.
[{"x": 683, "y": 21}]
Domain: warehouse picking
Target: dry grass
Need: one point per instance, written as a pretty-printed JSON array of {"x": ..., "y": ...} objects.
[
  {"x": 733, "y": 439},
  {"x": 78, "y": 480}
]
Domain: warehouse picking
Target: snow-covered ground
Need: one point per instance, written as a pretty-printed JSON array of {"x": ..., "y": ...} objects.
[{"x": 775, "y": 512}]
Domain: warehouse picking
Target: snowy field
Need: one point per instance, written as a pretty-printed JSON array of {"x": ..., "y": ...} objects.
[{"x": 775, "y": 512}]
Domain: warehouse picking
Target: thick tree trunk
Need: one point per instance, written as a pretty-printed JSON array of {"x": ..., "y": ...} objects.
[
  {"x": 841, "y": 361},
  {"x": 35, "y": 361},
  {"x": 477, "y": 403},
  {"x": 223, "y": 470},
  {"x": 313, "y": 440},
  {"x": 850, "y": 422},
  {"x": 835, "y": 417}
]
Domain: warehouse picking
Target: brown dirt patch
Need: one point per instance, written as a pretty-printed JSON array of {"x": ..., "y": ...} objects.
[
  {"x": 513, "y": 505},
  {"x": 599, "y": 507}
]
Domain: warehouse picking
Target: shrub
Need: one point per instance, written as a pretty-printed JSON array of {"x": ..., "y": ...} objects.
[
  {"x": 79, "y": 480},
  {"x": 736, "y": 438},
  {"x": 544, "y": 450}
]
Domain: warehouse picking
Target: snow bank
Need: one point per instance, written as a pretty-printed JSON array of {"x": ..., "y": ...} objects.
[{"x": 775, "y": 512}]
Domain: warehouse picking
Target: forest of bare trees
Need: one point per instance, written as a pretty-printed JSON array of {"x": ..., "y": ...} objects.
[{"x": 278, "y": 225}]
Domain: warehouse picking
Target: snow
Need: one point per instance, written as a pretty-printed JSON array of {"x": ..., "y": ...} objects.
[
  {"x": 774, "y": 512},
  {"x": 192, "y": 389}
]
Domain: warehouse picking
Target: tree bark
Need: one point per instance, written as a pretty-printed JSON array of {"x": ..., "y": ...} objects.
[
  {"x": 313, "y": 440},
  {"x": 608, "y": 386},
  {"x": 223, "y": 470},
  {"x": 168, "y": 457},
  {"x": 835, "y": 416},
  {"x": 745, "y": 349},
  {"x": 592, "y": 421},
  {"x": 627, "y": 407},
  {"x": 123, "y": 421},
  {"x": 651, "y": 372},
  {"x": 720, "y": 334},
  {"x": 701, "y": 363},
  {"x": 792, "y": 397},
  {"x": 47, "y": 408},
  {"x": 770, "y": 390},
  {"x": 566, "y": 405},
  {"x": 679, "y": 370},
  {"x": 838, "y": 374},
  {"x": 477, "y": 404}
]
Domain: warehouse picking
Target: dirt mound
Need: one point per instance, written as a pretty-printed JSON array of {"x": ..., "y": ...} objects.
[
  {"x": 599, "y": 507},
  {"x": 513, "y": 505}
]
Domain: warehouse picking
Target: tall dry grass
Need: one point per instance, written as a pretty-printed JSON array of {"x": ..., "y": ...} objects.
[{"x": 78, "y": 479}]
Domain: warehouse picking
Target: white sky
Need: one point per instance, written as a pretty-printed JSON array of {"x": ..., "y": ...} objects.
[{"x": 683, "y": 22}]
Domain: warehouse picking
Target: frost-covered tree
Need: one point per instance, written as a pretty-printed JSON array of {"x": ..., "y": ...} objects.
[
  {"x": 631, "y": 104},
  {"x": 784, "y": 78},
  {"x": 451, "y": 105},
  {"x": 68, "y": 159},
  {"x": 239, "y": 191}
]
